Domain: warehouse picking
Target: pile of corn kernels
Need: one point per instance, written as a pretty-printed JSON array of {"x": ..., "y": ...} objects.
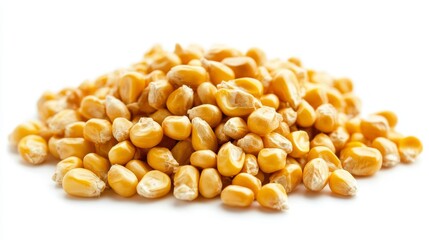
[{"x": 212, "y": 123}]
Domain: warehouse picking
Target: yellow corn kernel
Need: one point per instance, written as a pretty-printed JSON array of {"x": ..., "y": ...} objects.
[
  {"x": 159, "y": 91},
  {"x": 394, "y": 136},
  {"x": 74, "y": 129},
  {"x": 92, "y": 107},
  {"x": 258, "y": 55},
  {"x": 270, "y": 100},
  {"x": 336, "y": 99},
  {"x": 409, "y": 149},
  {"x": 358, "y": 137},
  {"x": 326, "y": 118},
  {"x": 164, "y": 62},
  {"x": 210, "y": 183},
  {"x": 263, "y": 120},
  {"x": 315, "y": 174},
  {"x": 97, "y": 164},
  {"x": 177, "y": 127},
  {"x": 220, "y": 135},
  {"x": 81, "y": 182},
  {"x": 326, "y": 154},
  {"x": 286, "y": 87},
  {"x": 374, "y": 126},
  {"x": 353, "y": 104},
  {"x": 209, "y": 113},
  {"x": 121, "y": 129},
  {"x": 251, "y": 143},
  {"x": 236, "y": 103},
  {"x": 146, "y": 133},
  {"x": 33, "y": 149},
  {"x": 389, "y": 151},
  {"x": 138, "y": 167},
  {"x": 180, "y": 100},
  {"x": 154, "y": 184},
  {"x": 52, "y": 147},
  {"x": 250, "y": 165},
  {"x": 344, "y": 85},
  {"x": 295, "y": 61},
  {"x": 273, "y": 196},
  {"x": 271, "y": 159},
  {"x": 186, "y": 183},
  {"x": 390, "y": 116},
  {"x": 191, "y": 76},
  {"x": 242, "y": 66},
  {"x": 97, "y": 130},
  {"x": 207, "y": 93},
  {"x": 142, "y": 104},
  {"x": 276, "y": 140},
  {"x": 24, "y": 129},
  {"x": 349, "y": 146},
  {"x": 182, "y": 151},
  {"x": 103, "y": 149},
  {"x": 64, "y": 166},
  {"x": 235, "y": 128},
  {"x": 161, "y": 159},
  {"x": 342, "y": 183},
  {"x": 353, "y": 125},
  {"x": 116, "y": 108},
  {"x": 204, "y": 159},
  {"x": 246, "y": 84},
  {"x": 265, "y": 77},
  {"x": 220, "y": 52},
  {"x": 203, "y": 136},
  {"x": 193, "y": 52},
  {"x": 217, "y": 71},
  {"x": 306, "y": 116},
  {"x": 230, "y": 159},
  {"x": 289, "y": 115},
  {"x": 131, "y": 84},
  {"x": 122, "y": 181},
  {"x": 300, "y": 143},
  {"x": 339, "y": 137},
  {"x": 122, "y": 153},
  {"x": 160, "y": 115},
  {"x": 59, "y": 121},
  {"x": 362, "y": 161},
  {"x": 249, "y": 181},
  {"x": 289, "y": 177},
  {"x": 283, "y": 129},
  {"x": 316, "y": 96},
  {"x": 322, "y": 139},
  {"x": 237, "y": 196}
]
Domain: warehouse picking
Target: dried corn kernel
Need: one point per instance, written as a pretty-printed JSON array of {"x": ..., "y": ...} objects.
[
  {"x": 388, "y": 150},
  {"x": 276, "y": 140},
  {"x": 122, "y": 181},
  {"x": 300, "y": 143},
  {"x": 121, "y": 129},
  {"x": 207, "y": 112},
  {"x": 161, "y": 159},
  {"x": 97, "y": 164},
  {"x": 250, "y": 165},
  {"x": 204, "y": 159},
  {"x": 180, "y": 100},
  {"x": 230, "y": 159},
  {"x": 154, "y": 184},
  {"x": 210, "y": 183},
  {"x": 122, "y": 153},
  {"x": 273, "y": 196},
  {"x": 146, "y": 133},
  {"x": 271, "y": 159},
  {"x": 342, "y": 183},
  {"x": 81, "y": 182},
  {"x": 186, "y": 183},
  {"x": 326, "y": 154},
  {"x": 249, "y": 181},
  {"x": 289, "y": 177},
  {"x": 263, "y": 120},
  {"x": 64, "y": 166},
  {"x": 286, "y": 87},
  {"x": 191, "y": 76},
  {"x": 251, "y": 143},
  {"x": 409, "y": 149},
  {"x": 33, "y": 149},
  {"x": 315, "y": 174},
  {"x": 235, "y": 128},
  {"x": 322, "y": 139},
  {"x": 362, "y": 161},
  {"x": 237, "y": 196},
  {"x": 203, "y": 136},
  {"x": 24, "y": 129},
  {"x": 177, "y": 127},
  {"x": 374, "y": 126},
  {"x": 97, "y": 130}
]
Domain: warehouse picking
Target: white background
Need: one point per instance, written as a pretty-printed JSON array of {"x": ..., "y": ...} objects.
[{"x": 382, "y": 46}]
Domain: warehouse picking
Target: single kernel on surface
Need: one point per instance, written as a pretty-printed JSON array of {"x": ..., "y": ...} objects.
[
  {"x": 342, "y": 183},
  {"x": 81, "y": 182},
  {"x": 409, "y": 149},
  {"x": 315, "y": 175},
  {"x": 362, "y": 161},
  {"x": 273, "y": 196},
  {"x": 186, "y": 180},
  {"x": 122, "y": 181},
  {"x": 237, "y": 196},
  {"x": 210, "y": 183}
]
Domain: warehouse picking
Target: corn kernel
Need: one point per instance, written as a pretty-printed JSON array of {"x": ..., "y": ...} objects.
[
  {"x": 286, "y": 87},
  {"x": 191, "y": 76},
  {"x": 322, "y": 139},
  {"x": 204, "y": 159},
  {"x": 220, "y": 52},
  {"x": 257, "y": 54},
  {"x": 315, "y": 174},
  {"x": 242, "y": 66},
  {"x": 203, "y": 136},
  {"x": 270, "y": 100},
  {"x": 237, "y": 196},
  {"x": 326, "y": 118},
  {"x": 374, "y": 126},
  {"x": 186, "y": 183},
  {"x": 59, "y": 121},
  {"x": 207, "y": 93},
  {"x": 235, "y": 128},
  {"x": 188, "y": 54},
  {"x": 92, "y": 107},
  {"x": 115, "y": 109},
  {"x": 250, "y": 165},
  {"x": 131, "y": 84},
  {"x": 81, "y": 182},
  {"x": 97, "y": 164},
  {"x": 344, "y": 85},
  {"x": 160, "y": 115},
  {"x": 362, "y": 161},
  {"x": 389, "y": 151},
  {"x": 154, "y": 184},
  {"x": 263, "y": 120},
  {"x": 230, "y": 159},
  {"x": 220, "y": 135},
  {"x": 236, "y": 103},
  {"x": 251, "y": 143},
  {"x": 300, "y": 143},
  {"x": 122, "y": 181},
  {"x": 353, "y": 104},
  {"x": 122, "y": 153},
  {"x": 217, "y": 71},
  {"x": 207, "y": 112},
  {"x": 249, "y": 181},
  {"x": 121, "y": 129},
  {"x": 283, "y": 129},
  {"x": 327, "y": 155},
  {"x": 64, "y": 166},
  {"x": 339, "y": 137},
  {"x": 182, "y": 151},
  {"x": 210, "y": 183},
  {"x": 24, "y": 129},
  {"x": 289, "y": 177},
  {"x": 74, "y": 129},
  {"x": 138, "y": 167},
  {"x": 33, "y": 149},
  {"x": 97, "y": 130},
  {"x": 276, "y": 140},
  {"x": 342, "y": 183},
  {"x": 177, "y": 127},
  {"x": 306, "y": 116},
  {"x": 271, "y": 159},
  {"x": 161, "y": 159},
  {"x": 289, "y": 115},
  {"x": 409, "y": 149},
  {"x": 273, "y": 196},
  {"x": 390, "y": 116},
  {"x": 180, "y": 100},
  {"x": 164, "y": 62},
  {"x": 246, "y": 84},
  {"x": 146, "y": 133},
  {"x": 159, "y": 91}
]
